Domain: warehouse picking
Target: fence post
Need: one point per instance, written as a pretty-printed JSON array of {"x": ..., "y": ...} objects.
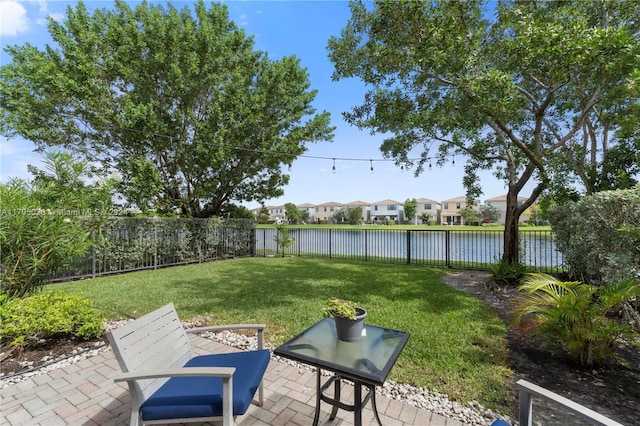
[
  {"x": 155, "y": 247},
  {"x": 329, "y": 243},
  {"x": 447, "y": 248},
  {"x": 366, "y": 244},
  {"x": 408, "y": 247},
  {"x": 93, "y": 256}
]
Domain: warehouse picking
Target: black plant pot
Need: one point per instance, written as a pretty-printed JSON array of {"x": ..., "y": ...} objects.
[{"x": 350, "y": 330}]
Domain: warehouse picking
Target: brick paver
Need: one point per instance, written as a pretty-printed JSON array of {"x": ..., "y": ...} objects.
[{"x": 85, "y": 394}]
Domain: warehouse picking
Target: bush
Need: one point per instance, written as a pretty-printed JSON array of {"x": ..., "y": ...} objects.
[
  {"x": 34, "y": 240},
  {"x": 592, "y": 236},
  {"x": 26, "y": 321},
  {"x": 574, "y": 316},
  {"x": 507, "y": 272}
]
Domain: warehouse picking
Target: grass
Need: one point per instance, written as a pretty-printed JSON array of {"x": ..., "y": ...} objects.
[{"x": 457, "y": 344}]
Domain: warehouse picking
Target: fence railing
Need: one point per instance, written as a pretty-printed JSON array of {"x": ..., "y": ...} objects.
[
  {"x": 149, "y": 247},
  {"x": 470, "y": 249},
  {"x": 145, "y": 244}
]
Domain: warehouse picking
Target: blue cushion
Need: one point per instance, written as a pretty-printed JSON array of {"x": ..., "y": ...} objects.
[
  {"x": 500, "y": 422},
  {"x": 189, "y": 397}
]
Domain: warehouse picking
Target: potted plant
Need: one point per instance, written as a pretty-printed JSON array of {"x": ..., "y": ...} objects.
[{"x": 348, "y": 317}]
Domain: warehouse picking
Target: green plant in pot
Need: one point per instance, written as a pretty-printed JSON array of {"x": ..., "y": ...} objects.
[{"x": 348, "y": 317}]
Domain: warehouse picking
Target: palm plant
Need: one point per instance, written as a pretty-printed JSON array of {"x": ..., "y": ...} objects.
[
  {"x": 283, "y": 239},
  {"x": 574, "y": 316}
]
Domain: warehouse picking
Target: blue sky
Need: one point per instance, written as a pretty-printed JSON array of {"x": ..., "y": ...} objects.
[{"x": 300, "y": 28}]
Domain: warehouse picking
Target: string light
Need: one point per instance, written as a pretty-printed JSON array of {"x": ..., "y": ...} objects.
[{"x": 259, "y": 151}]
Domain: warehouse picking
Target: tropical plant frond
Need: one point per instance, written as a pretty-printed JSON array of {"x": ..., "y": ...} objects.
[{"x": 572, "y": 315}]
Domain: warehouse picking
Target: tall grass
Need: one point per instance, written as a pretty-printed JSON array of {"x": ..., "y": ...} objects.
[{"x": 457, "y": 344}]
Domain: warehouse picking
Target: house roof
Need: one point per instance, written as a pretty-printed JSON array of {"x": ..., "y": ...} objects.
[
  {"x": 386, "y": 202},
  {"x": 357, "y": 203},
  {"x": 306, "y": 205},
  {"x": 329, "y": 203},
  {"x": 503, "y": 198},
  {"x": 456, "y": 199},
  {"x": 426, "y": 200}
]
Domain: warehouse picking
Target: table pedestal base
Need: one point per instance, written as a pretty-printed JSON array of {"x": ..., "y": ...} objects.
[{"x": 359, "y": 402}]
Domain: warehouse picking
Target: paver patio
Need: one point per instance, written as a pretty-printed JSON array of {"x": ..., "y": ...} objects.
[{"x": 84, "y": 394}]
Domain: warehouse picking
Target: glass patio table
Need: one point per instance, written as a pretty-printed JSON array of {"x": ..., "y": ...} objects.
[{"x": 366, "y": 362}]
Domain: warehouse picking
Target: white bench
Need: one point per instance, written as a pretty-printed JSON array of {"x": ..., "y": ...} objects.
[
  {"x": 527, "y": 390},
  {"x": 169, "y": 385}
]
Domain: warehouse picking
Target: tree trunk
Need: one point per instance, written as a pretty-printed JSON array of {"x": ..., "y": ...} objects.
[{"x": 511, "y": 252}]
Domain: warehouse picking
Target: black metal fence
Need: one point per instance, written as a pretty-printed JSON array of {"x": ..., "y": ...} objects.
[
  {"x": 152, "y": 243},
  {"x": 470, "y": 249}
]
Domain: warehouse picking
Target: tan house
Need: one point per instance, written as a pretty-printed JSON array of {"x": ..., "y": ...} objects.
[
  {"x": 326, "y": 210},
  {"x": 450, "y": 214},
  {"x": 427, "y": 207},
  {"x": 500, "y": 203}
]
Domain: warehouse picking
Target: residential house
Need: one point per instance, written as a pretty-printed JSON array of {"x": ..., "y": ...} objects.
[
  {"x": 310, "y": 209},
  {"x": 277, "y": 213},
  {"x": 326, "y": 210},
  {"x": 366, "y": 213},
  {"x": 450, "y": 214},
  {"x": 427, "y": 207},
  {"x": 387, "y": 210},
  {"x": 500, "y": 203}
]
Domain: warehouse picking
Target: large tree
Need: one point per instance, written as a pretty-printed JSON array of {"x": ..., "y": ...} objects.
[
  {"x": 178, "y": 101},
  {"x": 535, "y": 93}
]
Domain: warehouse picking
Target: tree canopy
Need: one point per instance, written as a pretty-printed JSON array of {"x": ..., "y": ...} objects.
[
  {"x": 543, "y": 92},
  {"x": 178, "y": 101}
]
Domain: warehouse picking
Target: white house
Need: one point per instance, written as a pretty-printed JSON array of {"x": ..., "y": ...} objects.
[{"x": 387, "y": 210}]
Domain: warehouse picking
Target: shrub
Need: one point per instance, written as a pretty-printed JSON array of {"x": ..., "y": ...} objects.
[
  {"x": 34, "y": 240},
  {"x": 26, "y": 321},
  {"x": 592, "y": 236},
  {"x": 574, "y": 316},
  {"x": 509, "y": 273}
]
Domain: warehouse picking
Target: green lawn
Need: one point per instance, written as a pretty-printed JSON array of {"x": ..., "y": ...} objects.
[{"x": 457, "y": 344}]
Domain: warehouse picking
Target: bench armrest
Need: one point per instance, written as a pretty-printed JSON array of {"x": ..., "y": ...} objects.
[
  {"x": 224, "y": 372},
  {"x": 527, "y": 390},
  {"x": 217, "y": 328}
]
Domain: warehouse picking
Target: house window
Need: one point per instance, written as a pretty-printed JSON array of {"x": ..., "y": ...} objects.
[
  {"x": 427, "y": 206},
  {"x": 325, "y": 209},
  {"x": 446, "y": 206},
  {"x": 331, "y": 208},
  {"x": 391, "y": 207},
  {"x": 458, "y": 206},
  {"x": 375, "y": 208}
]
